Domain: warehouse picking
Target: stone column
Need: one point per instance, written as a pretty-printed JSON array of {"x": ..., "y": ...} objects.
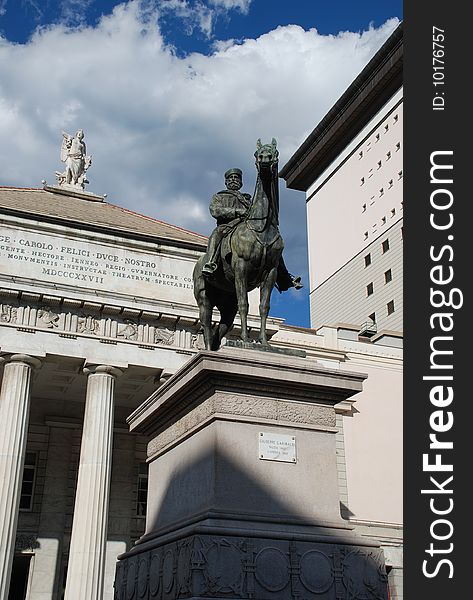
[
  {"x": 85, "y": 571},
  {"x": 14, "y": 413}
]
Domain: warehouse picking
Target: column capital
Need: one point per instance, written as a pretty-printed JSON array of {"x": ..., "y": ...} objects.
[
  {"x": 103, "y": 370},
  {"x": 32, "y": 361}
]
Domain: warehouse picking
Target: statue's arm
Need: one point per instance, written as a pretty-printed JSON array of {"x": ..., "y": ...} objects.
[{"x": 64, "y": 146}]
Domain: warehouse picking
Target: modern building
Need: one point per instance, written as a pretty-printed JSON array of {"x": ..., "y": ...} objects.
[{"x": 351, "y": 169}]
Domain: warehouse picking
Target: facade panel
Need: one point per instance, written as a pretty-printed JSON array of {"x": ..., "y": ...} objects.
[{"x": 344, "y": 297}]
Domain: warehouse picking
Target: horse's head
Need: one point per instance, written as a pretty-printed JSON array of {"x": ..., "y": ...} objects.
[{"x": 266, "y": 156}]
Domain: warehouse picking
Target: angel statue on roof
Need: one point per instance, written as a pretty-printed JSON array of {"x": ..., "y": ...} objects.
[{"x": 73, "y": 154}]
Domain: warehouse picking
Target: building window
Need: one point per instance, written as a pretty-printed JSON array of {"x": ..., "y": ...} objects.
[
  {"x": 372, "y": 200},
  {"x": 28, "y": 483},
  {"x": 142, "y": 491},
  {"x": 385, "y": 246},
  {"x": 377, "y": 137},
  {"x": 381, "y": 191},
  {"x": 398, "y": 146},
  {"x": 388, "y": 155},
  {"x": 367, "y": 260},
  {"x": 393, "y": 212},
  {"x": 396, "y": 118},
  {"x": 379, "y": 164},
  {"x": 390, "y": 307},
  {"x": 363, "y": 208},
  {"x": 362, "y": 181},
  {"x": 399, "y": 175},
  {"x": 390, "y": 183},
  {"x": 383, "y": 220},
  {"x": 360, "y": 154},
  {"x": 388, "y": 276},
  {"x": 365, "y": 235},
  {"x": 369, "y": 289},
  {"x": 386, "y": 128},
  {"x": 370, "y": 173},
  {"x": 372, "y": 317}
]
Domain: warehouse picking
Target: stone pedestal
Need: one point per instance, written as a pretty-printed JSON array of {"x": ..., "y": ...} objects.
[{"x": 243, "y": 495}]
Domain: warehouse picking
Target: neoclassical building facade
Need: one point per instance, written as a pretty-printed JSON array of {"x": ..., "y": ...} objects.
[{"x": 96, "y": 309}]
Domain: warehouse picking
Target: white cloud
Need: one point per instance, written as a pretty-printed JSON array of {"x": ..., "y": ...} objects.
[
  {"x": 194, "y": 14},
  {"x": 222, "y": 45},
  {"x": 242, "y": 5},
  {"x": 73, "y": 12},
  {"x": 162, "y": 129}
]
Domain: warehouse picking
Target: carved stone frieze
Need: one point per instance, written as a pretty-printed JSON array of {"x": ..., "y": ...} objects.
[
  {"x": 240, "y": 405},
  {"x": 88, "y": 325},
  {"x": 8, "y": 313},
  {"x": 128, "y": 330},
  {"x": 209, "y": 566},
  {"x": 46, "y": 317},
  {"x": 163, "y": 336},
  {"x": 197, "y": 341},
  {"x": 70, "y": 319}
]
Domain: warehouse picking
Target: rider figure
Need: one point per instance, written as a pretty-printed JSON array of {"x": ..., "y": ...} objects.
[{"x": 229, "y": 207}]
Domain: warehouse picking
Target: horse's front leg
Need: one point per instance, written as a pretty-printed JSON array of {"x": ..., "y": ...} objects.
[
  {"x": 241, "y": 289},
  {"x": 266, "y": 288}
]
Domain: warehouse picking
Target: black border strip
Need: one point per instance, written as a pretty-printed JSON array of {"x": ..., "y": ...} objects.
[{"x": 436, "y": 568}]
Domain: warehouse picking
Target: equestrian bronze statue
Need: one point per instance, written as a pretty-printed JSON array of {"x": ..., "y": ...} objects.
[{"x": 244, "y": 251}]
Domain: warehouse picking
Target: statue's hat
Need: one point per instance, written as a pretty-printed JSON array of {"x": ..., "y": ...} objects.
[{"x": 231, "y": 171}]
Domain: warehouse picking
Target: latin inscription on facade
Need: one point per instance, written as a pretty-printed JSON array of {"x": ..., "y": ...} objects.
[
  {"x": 95, "y": 266},
  {"x": 277, "y": 447}
]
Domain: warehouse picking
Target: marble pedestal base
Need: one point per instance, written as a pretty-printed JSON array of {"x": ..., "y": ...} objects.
[
  {"x": 229, "y": 517},
  {"x": 211, "y": 566}
]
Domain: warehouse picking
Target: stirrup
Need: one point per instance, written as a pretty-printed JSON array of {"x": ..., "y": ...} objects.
[{"x": 209, "y": 268}]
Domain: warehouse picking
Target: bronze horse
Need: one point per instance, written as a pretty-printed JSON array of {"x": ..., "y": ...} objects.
[{"x": 249, "y": 258}]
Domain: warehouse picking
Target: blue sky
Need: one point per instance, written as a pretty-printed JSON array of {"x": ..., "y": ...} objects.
[
  {"x": 22, "y": 17},
  {"x": 176, "y": 82}
]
